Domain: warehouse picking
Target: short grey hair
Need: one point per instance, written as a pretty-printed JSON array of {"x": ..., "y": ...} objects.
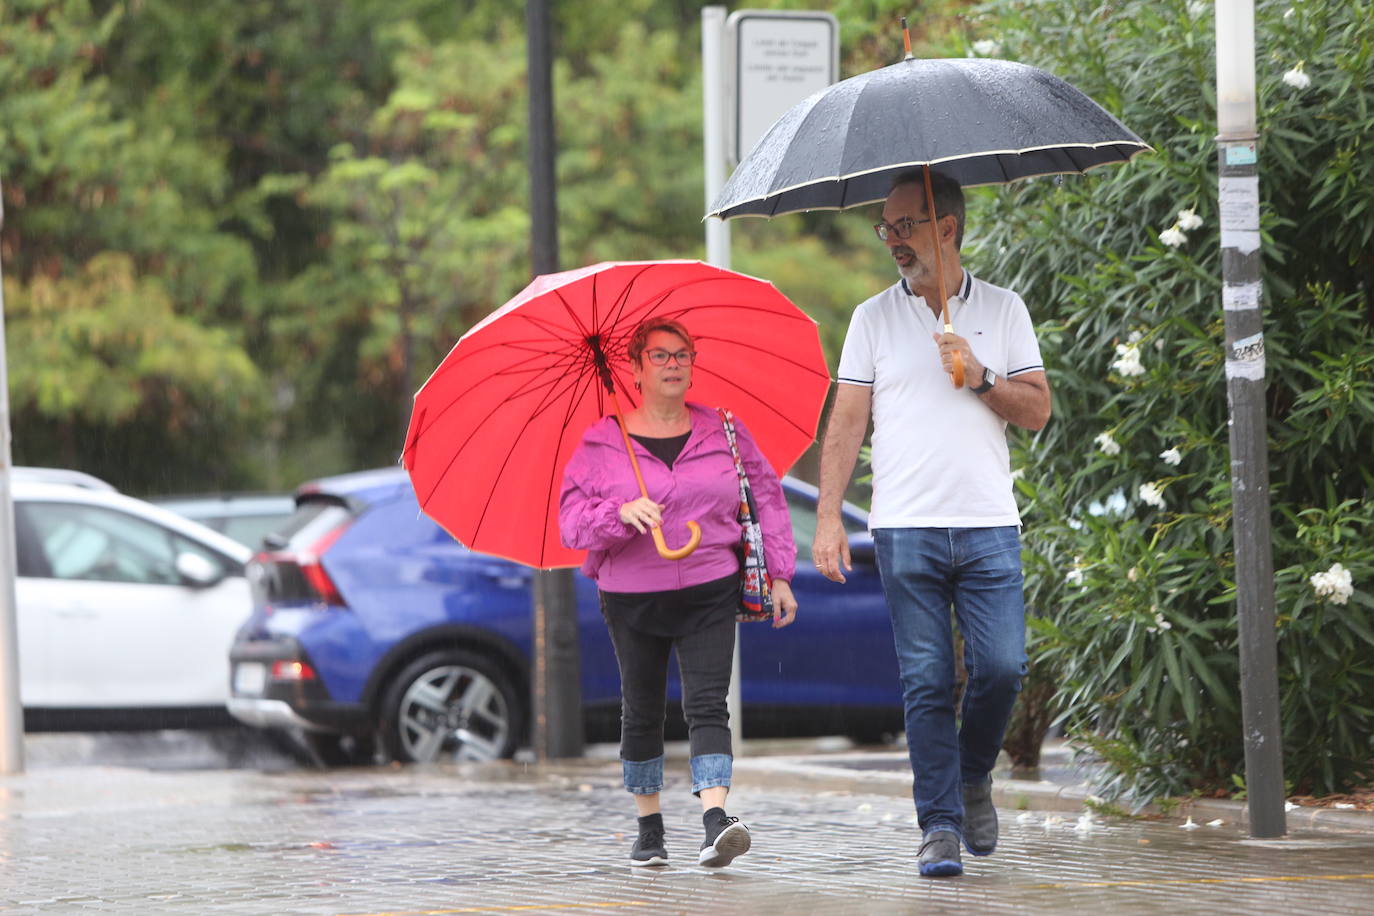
[{"x": 949, "y": 196}]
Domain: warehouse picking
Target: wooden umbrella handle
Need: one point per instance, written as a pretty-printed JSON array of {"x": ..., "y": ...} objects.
[
  {"x": 693, "y": 529},
  {"x": 957, "y": 364},
  {"x": 667, "y": 553}
]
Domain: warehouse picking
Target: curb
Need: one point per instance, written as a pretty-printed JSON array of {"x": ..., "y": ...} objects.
[{"x": 829, "y": 773}]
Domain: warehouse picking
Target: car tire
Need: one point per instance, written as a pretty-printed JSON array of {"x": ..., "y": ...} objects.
[{"x": 452, "y": 704}]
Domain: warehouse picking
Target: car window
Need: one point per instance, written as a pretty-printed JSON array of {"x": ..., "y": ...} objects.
[
  {"x": 803, "y": 512},
  {"x": 249, "y": 529},
  {"x": 94, "y": 543}
]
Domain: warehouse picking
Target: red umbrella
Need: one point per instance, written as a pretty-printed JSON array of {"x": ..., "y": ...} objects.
[{"x": 495, "y": 424}]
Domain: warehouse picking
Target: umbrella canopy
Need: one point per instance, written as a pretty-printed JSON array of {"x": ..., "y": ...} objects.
[
  {"x": 495, "y": 424},
  {"x": 978, "y": 120}
]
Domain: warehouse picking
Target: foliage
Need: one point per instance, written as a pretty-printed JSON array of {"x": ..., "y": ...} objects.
[{"x": 1129, "y": 556}]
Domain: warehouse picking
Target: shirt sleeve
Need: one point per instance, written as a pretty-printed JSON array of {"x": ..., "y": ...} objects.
[
  {"x": 856, "y": 358},
  {"x": 586, "y": 519},
  {"x": 779, "y": 548},
  {"x": 1023, "y": 350}
]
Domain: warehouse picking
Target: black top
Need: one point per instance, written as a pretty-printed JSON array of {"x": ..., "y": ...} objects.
[
  {"x": 665, "y": 450},
  {"x": 678, "y": 611}
]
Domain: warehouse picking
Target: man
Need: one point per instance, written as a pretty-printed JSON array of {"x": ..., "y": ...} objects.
[{"x": 944, "y": 520}]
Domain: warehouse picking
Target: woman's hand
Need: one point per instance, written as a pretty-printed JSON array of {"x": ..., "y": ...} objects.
[
  {"x": 784, "y": 604},
  {"x": 642, "y": 513}
]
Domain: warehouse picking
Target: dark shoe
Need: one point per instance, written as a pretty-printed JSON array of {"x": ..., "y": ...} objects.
[
  {"x": 980, "y": 818},
  {"x": 940, "y": 855},
  {"x": 648, "y": 849},
  {"x": 726, "y": 839}
]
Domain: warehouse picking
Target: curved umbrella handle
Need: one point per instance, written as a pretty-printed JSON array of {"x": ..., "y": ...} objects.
[
  {"x": 668, "y": 553},
  {"x": 957, "y": 366}
]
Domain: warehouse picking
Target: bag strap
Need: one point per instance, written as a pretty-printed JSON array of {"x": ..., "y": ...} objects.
[{"x": 727, "y": 419}]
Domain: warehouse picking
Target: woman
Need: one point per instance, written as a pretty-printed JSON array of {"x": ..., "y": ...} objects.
[{"x": 653, "y": 605}]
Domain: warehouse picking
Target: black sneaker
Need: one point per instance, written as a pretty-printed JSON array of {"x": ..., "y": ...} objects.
[
  {"x": 726, "y": 839},
  {"x": 939, "y": 856},
  {"x": 648, "y": 848}
]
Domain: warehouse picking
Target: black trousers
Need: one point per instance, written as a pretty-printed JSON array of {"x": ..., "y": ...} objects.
[{"x": 704, "y": 659}]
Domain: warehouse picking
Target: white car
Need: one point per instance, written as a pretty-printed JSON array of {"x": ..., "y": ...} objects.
[{"x": 126, "y": 611}]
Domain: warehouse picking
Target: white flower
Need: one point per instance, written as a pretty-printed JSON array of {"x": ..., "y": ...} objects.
[
  {"x": 1018, "y": 473},
  {"x": 1289, "y": 13},
  {"x": 1152, "y": 494},
  {"x": 1188, "y": 220},
  {"x": 988, "y": 47},
  {"x": 1297, "y": 78},
  {"x": 1127, "y": 362},
  {"x": 1074, "y": 576},
  {"x": 1173, "y": 236},
  {"x": 1334, "y": 584},
  {"x": 1108, "y": 445},
  {"x": 1132, "y": 574},
  {"x": 1171, "y": 456},
  {"x": 1161, "y": 623}
]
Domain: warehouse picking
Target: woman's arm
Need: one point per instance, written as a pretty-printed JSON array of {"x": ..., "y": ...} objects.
[{"x": 588, "y": 520}]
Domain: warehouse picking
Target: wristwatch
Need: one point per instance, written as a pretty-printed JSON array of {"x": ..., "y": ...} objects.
[{"x": 989, "y": 379}]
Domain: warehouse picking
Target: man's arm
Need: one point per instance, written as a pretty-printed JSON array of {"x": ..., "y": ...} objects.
[
  {"x": 839, "y": 451},
  {"x": 1022, "y": 401}
]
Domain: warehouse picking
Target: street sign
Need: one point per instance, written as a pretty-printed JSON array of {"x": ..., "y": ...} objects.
[{"x": 777, "y": 59}]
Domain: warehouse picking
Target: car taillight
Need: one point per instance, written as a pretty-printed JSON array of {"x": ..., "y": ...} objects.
[
  {"x": 284, "y": 670},
  {"x": 313, "y": 570},
  {"x": 285, "y": 576}
]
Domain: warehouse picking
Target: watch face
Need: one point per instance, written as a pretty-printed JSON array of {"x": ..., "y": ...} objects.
[{"x": 989, "y": 377}]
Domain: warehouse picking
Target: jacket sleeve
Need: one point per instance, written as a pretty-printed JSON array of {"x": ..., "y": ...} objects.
[
  {"x": 587, "y": 520},
  {"x": 779, "y": 548}
]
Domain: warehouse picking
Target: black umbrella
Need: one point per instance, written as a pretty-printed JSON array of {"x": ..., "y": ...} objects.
[{"x": 979, "y": 121}]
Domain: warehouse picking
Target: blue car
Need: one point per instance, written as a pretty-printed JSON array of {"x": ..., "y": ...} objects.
[{"x": 373, "y": 630}]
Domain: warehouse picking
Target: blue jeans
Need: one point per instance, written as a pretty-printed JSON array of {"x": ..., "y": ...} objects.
[{"x": 925, "y": 571}]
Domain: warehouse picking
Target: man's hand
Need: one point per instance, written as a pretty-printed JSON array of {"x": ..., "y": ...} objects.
[
  {"x": 784, "y": 604},
  {"x": 642, "y": 513},
  {"x": 951, "y": 343},
  {"x": 830, "y": 549}
]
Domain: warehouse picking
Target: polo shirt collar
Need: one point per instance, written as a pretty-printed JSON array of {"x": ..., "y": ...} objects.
[{"x": 965, "y": 287}]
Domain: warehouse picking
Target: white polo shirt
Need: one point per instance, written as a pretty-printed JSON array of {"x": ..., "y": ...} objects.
[{"x": 940, "y": 456}]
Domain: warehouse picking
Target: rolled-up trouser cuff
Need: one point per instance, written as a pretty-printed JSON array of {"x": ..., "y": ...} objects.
[
  {"x": 643, "y": 777},
  {"x": 711, "y": 770}
]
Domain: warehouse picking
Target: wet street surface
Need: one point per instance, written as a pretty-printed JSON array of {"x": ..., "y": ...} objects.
[{"x": 504, "y": 838}]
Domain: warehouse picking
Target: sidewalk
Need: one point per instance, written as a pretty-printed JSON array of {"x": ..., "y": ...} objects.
[{"x": 833, "y": 834}]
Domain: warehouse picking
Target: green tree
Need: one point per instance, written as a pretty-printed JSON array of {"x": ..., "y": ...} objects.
[{"x": 1131, "y": 566}]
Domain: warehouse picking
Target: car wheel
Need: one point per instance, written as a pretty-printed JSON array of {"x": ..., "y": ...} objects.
[{"x": 451, "y": 705}]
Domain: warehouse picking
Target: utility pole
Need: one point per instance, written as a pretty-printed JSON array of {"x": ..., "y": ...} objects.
[
  {"x": 557, "y": 687},
  {"x": 11, "y": 708},
  {"x": 1238, "y": 197}
]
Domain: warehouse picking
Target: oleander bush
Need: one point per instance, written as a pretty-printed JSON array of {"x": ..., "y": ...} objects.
[{"x": 1126, "y": 494}]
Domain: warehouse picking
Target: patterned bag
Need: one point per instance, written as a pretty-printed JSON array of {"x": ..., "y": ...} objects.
[{"x": 755, "y": 586}]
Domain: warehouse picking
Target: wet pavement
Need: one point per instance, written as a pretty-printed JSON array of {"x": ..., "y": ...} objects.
[{"x": 829, "y": 837}]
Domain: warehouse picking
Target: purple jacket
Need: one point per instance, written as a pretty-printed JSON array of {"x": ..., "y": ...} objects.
[{"x": 701, "y": 486}]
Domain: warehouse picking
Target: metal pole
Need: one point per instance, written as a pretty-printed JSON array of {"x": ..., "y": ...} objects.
[
  {"x": 11, "y": 708},
  {"x": 557, "y": 687},
  {"x": 1238, "y": 194},
  {"x": 718, "y": 241}
]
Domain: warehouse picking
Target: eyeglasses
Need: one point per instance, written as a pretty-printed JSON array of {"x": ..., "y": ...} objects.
[
  {"x": 661, "y": 357},
  {"x": 902, "y": 228}
]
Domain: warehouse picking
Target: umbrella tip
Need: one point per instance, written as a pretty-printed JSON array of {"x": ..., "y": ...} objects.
[{"x": 906, "y": 39}]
